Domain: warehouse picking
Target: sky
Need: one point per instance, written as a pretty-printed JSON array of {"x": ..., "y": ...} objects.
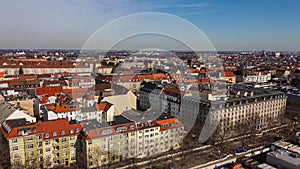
[{"x": 228, "y": 24}]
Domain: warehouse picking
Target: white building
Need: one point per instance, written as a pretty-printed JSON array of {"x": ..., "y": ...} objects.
[{"x": 260, "y": 78}]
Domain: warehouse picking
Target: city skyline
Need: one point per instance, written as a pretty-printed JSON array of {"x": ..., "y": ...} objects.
[{"x": 230, "y": 25}]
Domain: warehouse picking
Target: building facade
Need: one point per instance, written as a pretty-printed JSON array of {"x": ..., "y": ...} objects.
[
  {"x": 42, "y": 144},
  {"x": 104, "y": 144}
]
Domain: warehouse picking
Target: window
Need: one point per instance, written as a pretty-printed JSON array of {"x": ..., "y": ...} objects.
[
  {"x": 14, "y": 140},
  {"x": 64, "y": 146},
  {"x": 30, "y": 146},
  {"x": 77, "y": 130},
  {"x": 131, "y": 127},
  {"x": 47, "y": 142},
  {"x": 15, "y": 148},
  {"x": 62, "y": 132},
  {"x": 47, "y": 149},
  {"x": 72, "y": 137},
  {"x": 64, "y": 153},
  {"x": 38, "y": 136},
  {"x": 39, "y": 144},
  {"x": 56, "y": 140},
  {"x": 16, "y": 155},
  {"x": 54, "y": 134},
  {"x": 29, "y": 138},
  {"x": 64, "y": 139},
  {"x": 71, "y": 131},
  {"x": 30, "y": 153},
  {"x": 89, "y": 141},
  {"x": 16, "y": 163},
  {"x": 47, "y": 135},
  {"x": 166, "y": 125},
  {"x": 40, "y": 151}
]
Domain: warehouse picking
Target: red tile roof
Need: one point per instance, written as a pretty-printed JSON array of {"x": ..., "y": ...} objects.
[
  {"x": 96, "y": 133},
  {"x": 229, "y": 74},
  {"x": 50, "y": 91},
  {"x": 23, "y": 77},
  {"x": 76, "y": 92},
  {"x": 62, "y": 108},
  {"x": 46, "y": 127},
  {"x": 104, "y": 106},
  {"x": 171, "y": 123},
  {"x": 1, "y": 74}
]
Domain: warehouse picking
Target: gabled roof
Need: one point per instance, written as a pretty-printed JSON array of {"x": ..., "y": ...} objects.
[
  {"x": 105, "y": 106},
  {"x": 229, "y": 74}
]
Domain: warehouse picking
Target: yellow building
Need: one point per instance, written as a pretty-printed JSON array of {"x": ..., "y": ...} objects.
[
  {"x": 104, "y": 144},
  {"x": 44, "y": 144}
]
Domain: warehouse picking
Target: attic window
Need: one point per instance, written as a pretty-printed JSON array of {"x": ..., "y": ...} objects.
[
  {"x": 119, "y": 129},
  {"x": 71, "y": 131},
  {"x": 77, "y": 130},
  {"x": 47, "y": 135},
  {"x": 54, "y": 134},
  {"x": 131, "y": 127},
  {"x": 62, "y": 132},
  {"x": 166, "y": 125}
]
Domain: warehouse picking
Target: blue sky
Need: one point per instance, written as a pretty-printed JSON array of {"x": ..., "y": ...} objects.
[{"x": 229, "y": 24}]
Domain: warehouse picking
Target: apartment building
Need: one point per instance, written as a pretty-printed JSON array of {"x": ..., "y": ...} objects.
[
  {"x": 245, "y": 105},
  {"x": 43, "y": 144},
  {"x": 107, "y": 143}
]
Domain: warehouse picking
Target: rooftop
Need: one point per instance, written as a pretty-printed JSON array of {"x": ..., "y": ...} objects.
[{"x": 287, "y": 156}]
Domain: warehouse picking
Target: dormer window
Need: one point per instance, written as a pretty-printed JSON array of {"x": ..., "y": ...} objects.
[
  {"x": 71, "y": 131},
  {"x": 62, "y": 132},
  {"x": 77, "y": 130},
  {"x": 166, "y": 125},
  {"x": 47, "y": 135},
  {"x": 131, "y": 127},
  {"x": 54, "y": 134}
]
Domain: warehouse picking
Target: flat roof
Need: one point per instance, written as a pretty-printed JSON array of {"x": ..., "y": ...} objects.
[{"x": 287, "y": 156}]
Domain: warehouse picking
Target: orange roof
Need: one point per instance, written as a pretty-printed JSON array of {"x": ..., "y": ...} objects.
[
  {"x": 104, "y": 106},
  {"x": 152, "y": 76},
  {"x": 172, "y": 122},
  {"x": 205, "y": 80},
  {"x": 62, "y": 108},
  {"x": 76, "y": 92},
  {"x": 50, "y": 91},
  {"x": 23, "y": 77},
  {"x": 229, "y": 74},
  {"x": 159, "y": 76},
  {"x": 237, "y": 166},
  {"x": 46, "y": 127},
  {"x": 96, "y": 133}
]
